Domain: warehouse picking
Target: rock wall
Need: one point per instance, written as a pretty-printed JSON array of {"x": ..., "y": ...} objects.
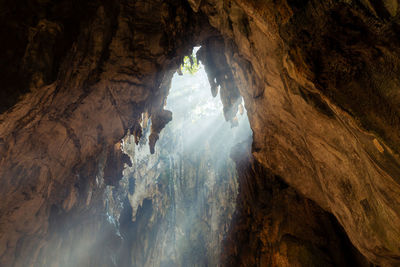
[
  {"x": 307, "y": 71},
  {"x": 319, "y": 81},
  {"x": 275, "y": 226},
  {"x": 55, "y": 140},
  {"x": 180, "y": 207}
]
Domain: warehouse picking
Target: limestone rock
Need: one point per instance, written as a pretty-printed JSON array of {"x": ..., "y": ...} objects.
[{"x": 319, "y": 81}]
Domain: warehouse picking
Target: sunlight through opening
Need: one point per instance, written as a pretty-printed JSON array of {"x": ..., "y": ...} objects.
[{"x": 190, "y": 181}]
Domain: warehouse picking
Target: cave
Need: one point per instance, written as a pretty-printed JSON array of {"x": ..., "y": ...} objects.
[{"x": 287, "y": 156}]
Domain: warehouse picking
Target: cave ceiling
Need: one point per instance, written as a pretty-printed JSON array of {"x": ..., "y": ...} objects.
[{"x": 320, "y": 82}]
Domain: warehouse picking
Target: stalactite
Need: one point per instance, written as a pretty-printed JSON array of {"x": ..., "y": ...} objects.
[{"x": 319, "y": 80}]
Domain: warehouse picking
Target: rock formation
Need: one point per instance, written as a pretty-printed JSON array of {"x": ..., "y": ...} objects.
[
  {"x": 320, "y": 82},
  {"x": 181, "y": 198},
  {"x": 275, "y": 226}
]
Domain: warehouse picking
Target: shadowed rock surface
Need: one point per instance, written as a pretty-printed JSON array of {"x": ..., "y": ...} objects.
[
  {"x": 275, "y": 226},
  {"x": 320, "y": 83}
]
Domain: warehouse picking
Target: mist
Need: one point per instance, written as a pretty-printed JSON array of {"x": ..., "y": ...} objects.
[{"x": 189, "y": 185}]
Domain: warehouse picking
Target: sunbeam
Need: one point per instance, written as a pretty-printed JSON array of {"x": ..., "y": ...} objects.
[{"x": 190, "y": 181}]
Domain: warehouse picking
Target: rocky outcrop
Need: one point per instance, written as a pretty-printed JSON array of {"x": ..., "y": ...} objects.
[
  {"x": 54, "y": 140},
  {"x": 179, "y": 207},
  {"x": 275, "y": 226},
  {"x": 289, "y": 59},
  {"x": 319, "y": 81},
  {"x": 220, "y": 76}
]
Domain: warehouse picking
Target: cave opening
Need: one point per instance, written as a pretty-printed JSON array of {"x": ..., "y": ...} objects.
[
  {"x": 318, "y": 182},
  {"x": 181, "y": 198}
]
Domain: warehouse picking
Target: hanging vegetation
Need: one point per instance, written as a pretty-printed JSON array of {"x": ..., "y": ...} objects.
[{"x": 190, "y": 64}]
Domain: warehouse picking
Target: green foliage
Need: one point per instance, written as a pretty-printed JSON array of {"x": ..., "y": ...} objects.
[{"x": 190, "y": 65}]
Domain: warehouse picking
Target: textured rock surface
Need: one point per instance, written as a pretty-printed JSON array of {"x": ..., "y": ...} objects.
[
  {"x": 179, "y": 201},
  {"x": 180, "y": 207},
  {"x": 307, "y": 75},
  {"x": 275, "y": 226},
  {"x": 319, "y": 80},
  {"x": 53, "y": 140}
]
